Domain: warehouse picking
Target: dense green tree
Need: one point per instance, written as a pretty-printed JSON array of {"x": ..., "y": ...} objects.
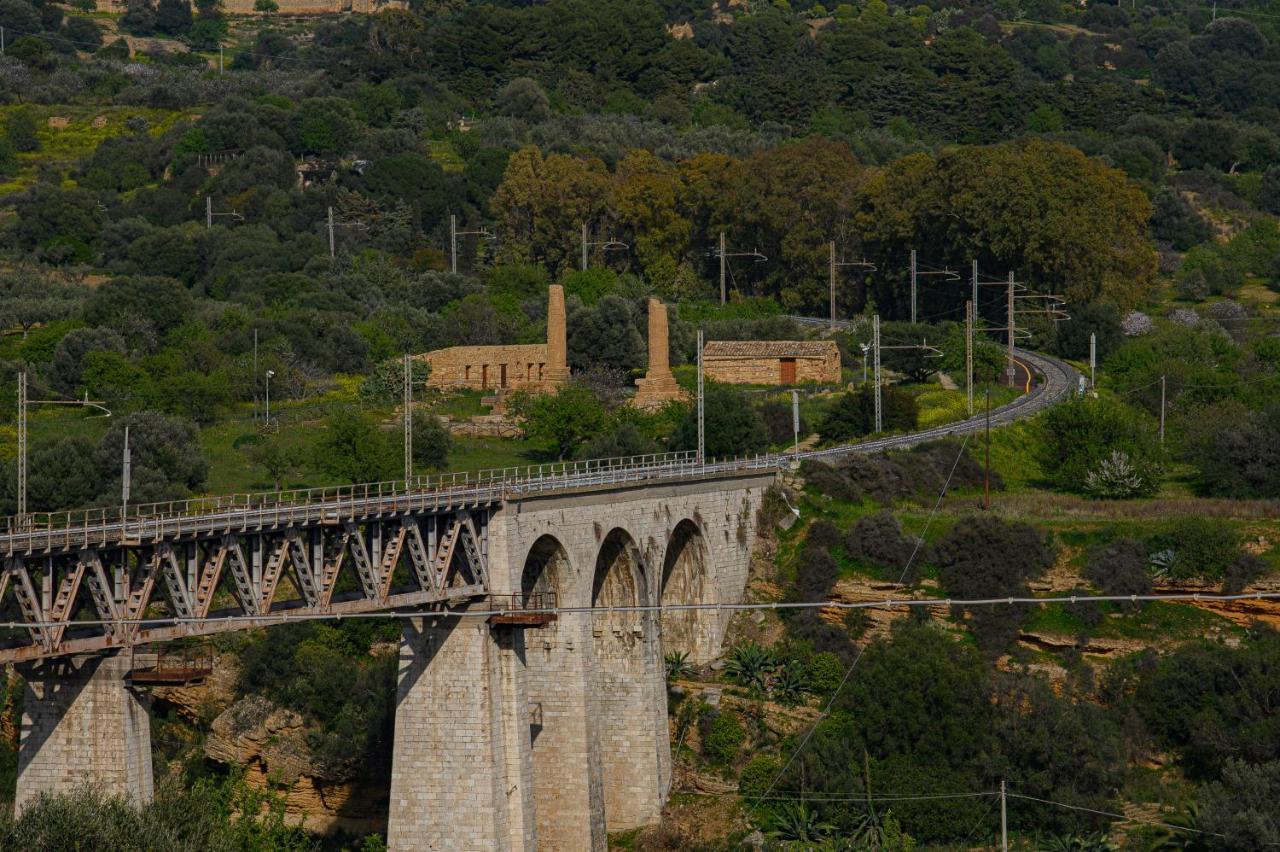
[
  {"x": 732, "y": 425},
  {"x": 986, "y": 557},
  {"x": 20, "y": 128},
  {"x": 354, "y": 449},
  {"x": 167, "y": 463},
  {"x": 1078, "y": 439},
  {"x": 605, "y": 336},
  {"x": 852, "y": 414},
  {"x": 566, "y": 419}
]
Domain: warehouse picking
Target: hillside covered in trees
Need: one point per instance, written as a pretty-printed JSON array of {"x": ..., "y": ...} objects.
[{"x": 192, "y": 202}]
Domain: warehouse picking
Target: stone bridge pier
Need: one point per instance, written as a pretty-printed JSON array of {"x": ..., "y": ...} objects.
[
  {"x": 546, "y": 738},
  {"x": 82, "y": 723}
]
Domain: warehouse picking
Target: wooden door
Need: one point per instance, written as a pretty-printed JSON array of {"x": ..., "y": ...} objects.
[
  {"x": 788, "y": 371},
  {"x": 502, "y": 377}
]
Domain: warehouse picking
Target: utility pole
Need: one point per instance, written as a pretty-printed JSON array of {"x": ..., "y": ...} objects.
[
  {"x": 1004, "y": 819},
  {"x": 255, "y": 374},
  {"x": 723, "y": 261},
  {"x": 968, "y": 353},
  {"x": 724, "y": 264},
  {"x": 1093, "y": 360},
  {"x": 269, "y": 374},
  {"x": 22, "y": 445},
  {"x": 454, "y": 233},
  {"x": 975, "y": 291},
  {"x": 795, "y": 420},
  {"x": 208, "y": 211},
  {"x": 913, "y": 286},
  {"x": 831, "y": 274},
  {"x": 1011, "y": 320},
  {"x": 875, "y": 345},
  {"x": 220, "y": 65},
  {"x": 1162, "y": 409},
  {"x": 125, "y": 475},
  {"x": 23, "y": 404},
  {"x": 408, "y": 421},
  {"x": 332, "y": 248},
  {"x": 986, "y": 470},
  {"x": 702, "y": 435},
  {"x": 605, "y": 245}
]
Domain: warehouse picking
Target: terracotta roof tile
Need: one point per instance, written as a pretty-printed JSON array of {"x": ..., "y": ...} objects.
[{"x": 769, "y": 349}]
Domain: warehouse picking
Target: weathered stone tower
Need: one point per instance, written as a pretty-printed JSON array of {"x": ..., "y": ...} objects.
[
  {"x": 658, "y": 387},
  {"x": 557, "y": 370}
]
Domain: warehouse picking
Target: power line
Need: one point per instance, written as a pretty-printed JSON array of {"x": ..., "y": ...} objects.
[
  {"x": 283, "y": 616},
  {"x": 1119, "y": 816},
  {"x": 849, "y": 672}
]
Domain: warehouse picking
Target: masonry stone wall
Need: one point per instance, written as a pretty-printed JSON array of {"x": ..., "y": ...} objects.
[
  {"x": 548, "y": 737},
  {"x": 616, "y": 662},
  {"x": 83, "y": 724},
  {"x": 483, "y": 367},
  {"x": 768, "y": 370},
  {"x": 460, "y": 779}
]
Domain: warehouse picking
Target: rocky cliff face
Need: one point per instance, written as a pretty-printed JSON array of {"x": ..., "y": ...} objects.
[{"x": 270, "y": 744}]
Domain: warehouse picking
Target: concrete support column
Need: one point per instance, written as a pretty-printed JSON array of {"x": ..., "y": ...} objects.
[
  {"x": 565, "y": 730},
  {"x": 82, "y": 724},
  {"x": 460, "y": 774},
  {"x": 634, "y": 744}
]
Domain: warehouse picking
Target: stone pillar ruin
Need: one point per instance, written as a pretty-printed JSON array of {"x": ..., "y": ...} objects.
[
  {"x": 557, "y": 369},
  {"x": 461, "y": 771},
  {"x": 83, "y": 725},
  {"x": 658, "y": 387}
]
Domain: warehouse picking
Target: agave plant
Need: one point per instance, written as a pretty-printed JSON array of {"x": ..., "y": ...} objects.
[
  {"x": 751, "y": 665},
  {"x": 1161, "y": 562},
  {"x": 791, "y": 683},
  {"x": 795, "y": 821},
  {"x": 1183, "y": 834},
  {"x": 677, "y": 664}
]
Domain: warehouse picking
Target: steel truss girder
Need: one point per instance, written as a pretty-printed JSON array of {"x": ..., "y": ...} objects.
[{"x": 443, "y": 557}]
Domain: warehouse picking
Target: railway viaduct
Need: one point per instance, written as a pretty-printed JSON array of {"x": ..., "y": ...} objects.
[{"x": 531, "y": 708}]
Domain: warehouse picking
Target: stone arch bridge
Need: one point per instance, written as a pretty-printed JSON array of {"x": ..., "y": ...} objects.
[
  {"x": 531, "y": 708},
  {"x": 515, "y": 727}
]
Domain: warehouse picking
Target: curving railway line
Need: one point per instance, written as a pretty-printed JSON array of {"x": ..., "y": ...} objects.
[{"x": 410, "y": 544}]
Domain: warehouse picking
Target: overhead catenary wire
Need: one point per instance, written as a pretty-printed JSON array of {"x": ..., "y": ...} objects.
[
  {"x": 862, "y": 648},
  {"x": 283, "y": 617}
]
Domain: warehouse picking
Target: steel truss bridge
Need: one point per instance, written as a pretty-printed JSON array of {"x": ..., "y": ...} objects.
[{"x": 156, "y": 573}]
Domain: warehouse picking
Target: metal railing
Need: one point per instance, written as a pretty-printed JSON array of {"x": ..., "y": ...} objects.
[{"x": 240, "y": 512}]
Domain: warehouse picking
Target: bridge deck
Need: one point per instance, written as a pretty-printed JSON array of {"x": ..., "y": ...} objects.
[{"x": 437, "y": 522}]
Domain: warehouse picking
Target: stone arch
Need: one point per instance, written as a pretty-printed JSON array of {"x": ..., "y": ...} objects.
[
  {"x": 634, "y": 748},
  {"x": 686, "y": 579},
  {"x": 619, "y": 578},
  {"x": 568, "y": 799},
  {"x": 546, "y": 569}
]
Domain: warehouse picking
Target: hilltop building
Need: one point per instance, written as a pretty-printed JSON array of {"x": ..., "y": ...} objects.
[
  {"x": 538, "y": 366},
  {"x": 772, "y": 362}
]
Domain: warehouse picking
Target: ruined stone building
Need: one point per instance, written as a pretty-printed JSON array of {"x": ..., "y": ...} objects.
[
  {"x": 772, "y": 362},
  {"x": 538, "y": 366}
]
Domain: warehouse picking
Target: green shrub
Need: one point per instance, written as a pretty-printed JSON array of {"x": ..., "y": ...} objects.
[
  {"x": 852, "y": 415},
  {"x": 1100, "y": 447},
  {"x": 757, "y": 775},
  {"x": 723, "y": 737},
  {"x": 825, "y": 672},
  {"x": 1196, "y": 548}
]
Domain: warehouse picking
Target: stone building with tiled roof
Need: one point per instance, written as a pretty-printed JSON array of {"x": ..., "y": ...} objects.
[{"x": 772, "y": 362}]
